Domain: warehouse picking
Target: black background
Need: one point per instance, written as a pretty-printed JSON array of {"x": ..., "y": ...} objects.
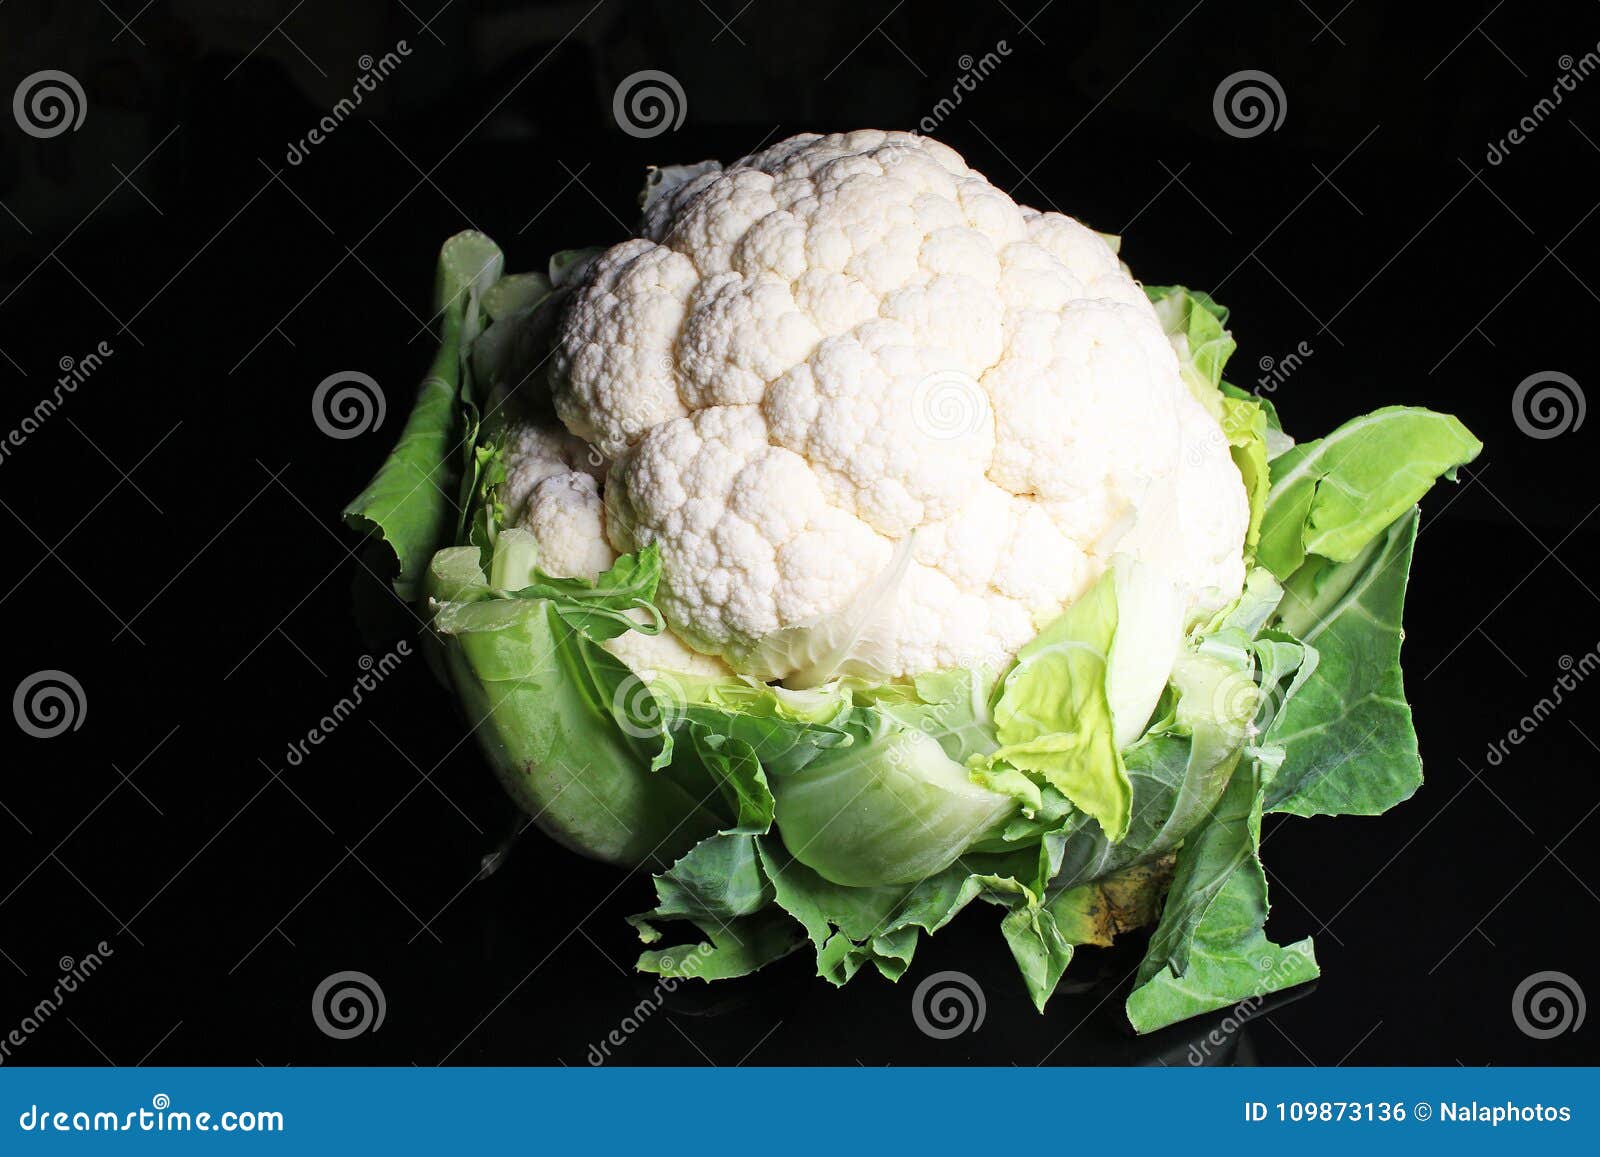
[{"x": 170, "y": 535}]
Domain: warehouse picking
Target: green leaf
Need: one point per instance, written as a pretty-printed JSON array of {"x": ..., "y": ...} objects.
[
  {"x": 1205, "y": 863},
  {"x": 516, "y": 293},
  {"x": 1178, "y": 770},
  {"x": 952, "y": 706},
  {"x": 739, "y": 775},
  {"x": 567, "y": 265},
  {"x": 1274, "y": 423},
  {"x": 866, "y": 794},
  {"x": 1228, "y": 957},
  {"x": 1244, "y": 422},
  {"x": 785, "y": 730},
  {"x": 889, "y": 807},
  {"x": 718, "y": 880},
  {"x": 570, "y": 732},
  {"x": 735, "y": 948},
  {"x": 1350, "y": 747},
  {"x": 1042, "y": 953},
  {"x": 1209, "y": 950},
  {"x": 602, "y": 608},
  {"x": 1052, "y": 717},
  {"x": 408, "y": 503},
  {"x": 1233, "y": 962},
  {"x": 1331, "y": 497},
  {"x": 1179, "y": 773},
  {"x": 850, "y": 927},
  {"x": 1043, "y": 938},
  {"x": 720, "y": 885},
  {"x": 1196, "y": 326}
]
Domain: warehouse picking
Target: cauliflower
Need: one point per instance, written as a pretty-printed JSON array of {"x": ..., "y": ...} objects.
[
  {"x": 848, "y": 372},
  {"x": 939, "y": 506}
]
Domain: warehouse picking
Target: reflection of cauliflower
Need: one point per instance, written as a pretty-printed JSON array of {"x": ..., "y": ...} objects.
[{"x": 844, "y": 342}]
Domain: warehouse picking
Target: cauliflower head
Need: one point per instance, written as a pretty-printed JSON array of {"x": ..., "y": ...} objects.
[{"x": 876, "y": 415}]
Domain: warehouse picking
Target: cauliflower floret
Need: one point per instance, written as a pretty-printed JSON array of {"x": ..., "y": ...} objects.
[
  {"x": 860, "y": 411},
  {"x": 736, "y": 567},
  {"x": 615, "y": 356},
  {"x": 566, "y": 517},
  {"x": 561, "y": 507},
  {"x": 850, "y": 360},
  {"x": 659, "y": 656},
  {"x": 534, "y": 452}
]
